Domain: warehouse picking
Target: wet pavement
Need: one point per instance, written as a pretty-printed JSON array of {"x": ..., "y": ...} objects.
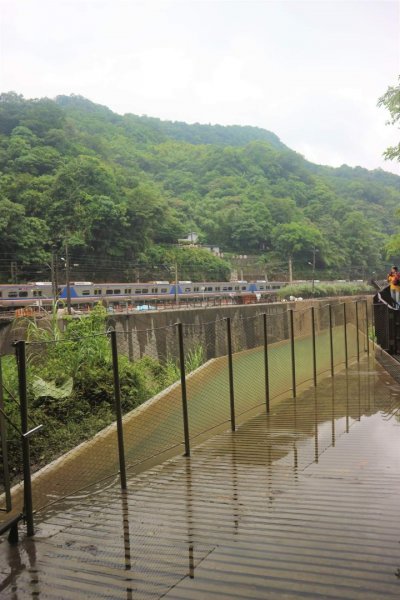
[{"x": 303, "y": 503}]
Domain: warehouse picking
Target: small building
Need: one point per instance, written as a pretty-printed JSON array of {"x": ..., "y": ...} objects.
[{"x": 191, "y": 238}]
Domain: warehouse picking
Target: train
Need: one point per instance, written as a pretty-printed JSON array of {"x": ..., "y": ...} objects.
[{"x": 84, "y": 294}]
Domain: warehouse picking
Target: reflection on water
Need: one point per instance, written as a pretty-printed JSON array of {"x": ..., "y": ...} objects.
[
  {"x": 127, "y": 540},
  {"x": 189, "y": 515}
]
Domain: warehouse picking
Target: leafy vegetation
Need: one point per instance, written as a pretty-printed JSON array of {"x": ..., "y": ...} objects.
[
  {"x": 306, "y": 290},
  {"x": 391, "y": 101},
  {"x": 70, "y": 384},
  {"x": 122, "y": 189}
]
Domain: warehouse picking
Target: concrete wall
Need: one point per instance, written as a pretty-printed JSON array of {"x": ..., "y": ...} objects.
[{"x": 153, "y": 333}]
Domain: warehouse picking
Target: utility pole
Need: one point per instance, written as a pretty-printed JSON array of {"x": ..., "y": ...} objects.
[
  {"x": 176, "y": 285},
  {"x": 13, "y": 271},
  {"x": 313, "y": 272},
  {"x": 53, "y": 270},
  {"x": 67, "y": 277}
]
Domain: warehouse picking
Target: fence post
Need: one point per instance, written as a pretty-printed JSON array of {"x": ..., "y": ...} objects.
[
  {"x": 266, "y": 367},
  {"x": 373, "y": 332},
  {"x": 331, "y": 339},
  {"x": 4, "y": 448},
  {"x": 293, "y": 357},
  {"x": 314, "y": 353},
  {"x": 346, "y": 356},
  {"x": 367, "y": 325},
  {"x": 183, "y": 390},
  {"x": 230, "y": 365},
  {"x": 358, "y": 333},
  {"x": 386, "y": 323},
  {"x": 20, "y": 350},
  {"x": 118, "y": 410}
]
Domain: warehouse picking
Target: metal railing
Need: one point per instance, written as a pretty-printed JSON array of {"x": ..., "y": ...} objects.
[{"x": 122, "y": 399}]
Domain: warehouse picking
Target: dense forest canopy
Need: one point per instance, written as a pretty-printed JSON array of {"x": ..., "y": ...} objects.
[{"x": 121, "y": 190}]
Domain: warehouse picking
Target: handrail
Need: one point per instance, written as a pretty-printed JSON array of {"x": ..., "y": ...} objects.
[{"x": 12, "y": 526}]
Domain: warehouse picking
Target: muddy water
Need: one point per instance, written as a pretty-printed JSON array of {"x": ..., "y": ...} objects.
[{"x": 300, "y": 503}]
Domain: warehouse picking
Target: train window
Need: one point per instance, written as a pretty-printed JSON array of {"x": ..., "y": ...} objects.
[
  {"x": 117, "y": 291},
  {"x": 97, "y": 292},
  {"x": 1, "y": 293},
  {"x": 208, "y": 289},
  {"x": 146, "y": 291},
  {"x": 128, "y": 290},
  {"x": 138, "y": 292},
  {"x": 217, "y": 288},
  {"x": 85, "y": 292},
  {"x": 196, "y": 289},
  {"x": 12, "y": 294},
  {"x": 109, "y": 291},
  {"x": 23, "y": 294},
  {"x": 237, "y": 287},
  {"x": 261, "y": 287},
  {"x": 244, "y": 287},
  {"x": 154, "y": 290},
  {"x": 164, "y": 290},
  {"x": 230, "y": 288},
  {"x": 187, "y": 290},
  {"x": 37, "y": 292}
]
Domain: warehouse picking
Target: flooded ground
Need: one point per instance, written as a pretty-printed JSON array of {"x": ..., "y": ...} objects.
[
  {"x": 301, "y": 503},
  {"x": 154, "y": 431}
]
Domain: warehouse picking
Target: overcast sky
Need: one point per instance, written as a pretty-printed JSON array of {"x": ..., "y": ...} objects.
[{"x": 310, "y": 71}]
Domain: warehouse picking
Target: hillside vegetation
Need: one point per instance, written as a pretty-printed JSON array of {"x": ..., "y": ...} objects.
[{"x": 123, "y": 189}]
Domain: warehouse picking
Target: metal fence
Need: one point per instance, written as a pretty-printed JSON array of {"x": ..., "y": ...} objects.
[{"x": 78, "y": 410}]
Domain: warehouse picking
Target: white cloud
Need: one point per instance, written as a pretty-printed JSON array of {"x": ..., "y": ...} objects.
[{"x": 311, "y": 71}]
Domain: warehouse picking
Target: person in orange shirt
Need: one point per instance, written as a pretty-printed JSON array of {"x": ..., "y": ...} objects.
[{"x": 394, "y": 282}]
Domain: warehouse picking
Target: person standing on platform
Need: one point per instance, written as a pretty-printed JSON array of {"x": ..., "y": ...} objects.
[{"x": 394, "y": 282}]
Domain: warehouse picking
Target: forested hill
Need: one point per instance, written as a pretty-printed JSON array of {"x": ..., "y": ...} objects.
[
  {"x": 148, "y": 129},
  {"x": 122, "y": 189}
]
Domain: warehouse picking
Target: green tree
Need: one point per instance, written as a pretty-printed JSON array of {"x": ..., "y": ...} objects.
[
  {"x": 391, "y": 101},
  {"x": 290, "y": 239}
]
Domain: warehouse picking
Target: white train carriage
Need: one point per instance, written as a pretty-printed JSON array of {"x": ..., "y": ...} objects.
[{"x": 86, "y": 293}]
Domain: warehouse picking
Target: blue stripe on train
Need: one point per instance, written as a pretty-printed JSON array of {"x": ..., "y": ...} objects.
[{"x": 64, "y": 293}]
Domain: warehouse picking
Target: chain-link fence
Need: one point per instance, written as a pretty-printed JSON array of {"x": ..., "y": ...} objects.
[{"x": 110, "y": 401}]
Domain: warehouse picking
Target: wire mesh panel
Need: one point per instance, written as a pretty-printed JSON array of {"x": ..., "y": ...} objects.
[
  {"x": 322, "y": 341},
  {"x": 338, "y": 335},
  {"x": 370, "y": 326},
  {"x": 363, "y": 324},
  {"x": 279, "y": 354},
  {"x": 207, "y": 381},
  {"x": 351, "y": 330},
  {"x": 248, "y": 365},
  {"x": 302, "y": 323},
  {"x": 10, "y": 426},
  {"x": 150, "y": 392},
  {"x": 70, "y": 392}
]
